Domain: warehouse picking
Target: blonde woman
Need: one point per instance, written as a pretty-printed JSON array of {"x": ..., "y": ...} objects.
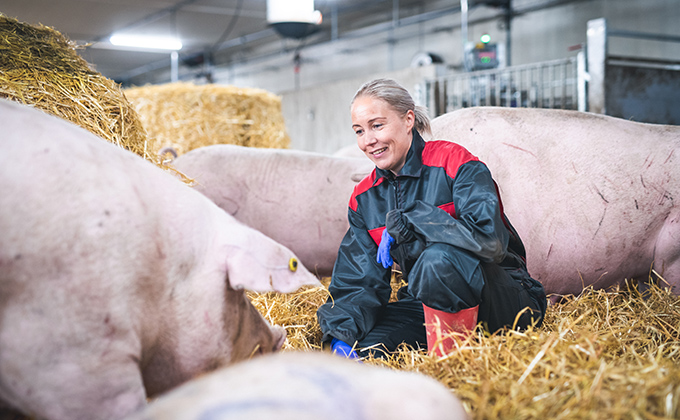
[{"x": 435, "y": 210}]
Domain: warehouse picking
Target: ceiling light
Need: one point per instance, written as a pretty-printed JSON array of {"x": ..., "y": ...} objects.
[
  {"x": 146, "y": 42},
  {"x": 289, "y": 11},
  {"x": 293, "y": 19}
]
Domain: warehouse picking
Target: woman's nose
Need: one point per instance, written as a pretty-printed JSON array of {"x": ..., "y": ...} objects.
[{"x": 367, "y": 140}]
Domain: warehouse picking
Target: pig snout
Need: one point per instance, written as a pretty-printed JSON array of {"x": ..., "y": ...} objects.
[
  {"x": 272, "y": 341},
  {"x": 254, "y": 335},
  {"x": 278, "y": 337}
]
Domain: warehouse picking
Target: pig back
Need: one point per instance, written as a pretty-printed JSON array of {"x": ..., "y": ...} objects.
[
  {"x": 297, "y": 198},
  {"x": 307, "y": 385},
  {"x": 587, "y": 193}
]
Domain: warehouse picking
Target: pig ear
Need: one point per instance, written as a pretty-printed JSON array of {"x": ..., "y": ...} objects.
[
  {"x": 251, "y": 274},
  {"x": 258, "y": 263}
]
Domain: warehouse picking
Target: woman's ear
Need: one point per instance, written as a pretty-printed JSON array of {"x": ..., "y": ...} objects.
[{"x": 410, "y": 120}]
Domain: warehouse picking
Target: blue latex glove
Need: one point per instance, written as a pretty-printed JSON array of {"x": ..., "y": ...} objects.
[
  {"x": 384, "y": 256},
  {"x": 343, "y": 349}
]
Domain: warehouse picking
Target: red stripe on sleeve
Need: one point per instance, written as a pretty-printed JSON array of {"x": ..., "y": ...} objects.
[
  {"x": 447, "y": 155},
  {"x": 360, "y": 188},
  {"x": 376, "y": 234},
  {"x": 450, "y": 208}
]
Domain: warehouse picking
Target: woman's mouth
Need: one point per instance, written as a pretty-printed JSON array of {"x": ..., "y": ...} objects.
[{"x": 377, "y": 153}]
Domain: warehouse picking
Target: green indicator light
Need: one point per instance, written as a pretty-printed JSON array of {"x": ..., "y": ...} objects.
[{"x": 485, "y": 38}]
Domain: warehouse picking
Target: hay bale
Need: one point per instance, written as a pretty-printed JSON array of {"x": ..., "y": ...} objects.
[
  {"x": 41, "y": 68},
  {"x": 187, "y": 116},
  {"x": 597, "y": 355}
]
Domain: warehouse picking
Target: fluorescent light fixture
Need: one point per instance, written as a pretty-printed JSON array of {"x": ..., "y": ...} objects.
[
  {"x": 292, "y": 11},
  {"x": 146, "y": 42}
]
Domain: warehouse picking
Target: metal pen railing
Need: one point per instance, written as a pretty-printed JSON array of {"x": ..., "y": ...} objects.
[{"x": 550, "y": 84}]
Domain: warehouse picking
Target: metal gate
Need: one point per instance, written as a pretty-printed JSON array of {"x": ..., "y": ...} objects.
[{"x": 550, "y": 84}]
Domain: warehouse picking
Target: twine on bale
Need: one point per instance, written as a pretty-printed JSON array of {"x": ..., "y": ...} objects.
[
  {"x": 41, "y": 68},
  {"x": 598, "y": 355},
  {"x": 187, "y": 116}
]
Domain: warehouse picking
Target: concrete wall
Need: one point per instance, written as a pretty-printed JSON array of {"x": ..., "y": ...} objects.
[{"x": 318, "y": 118}]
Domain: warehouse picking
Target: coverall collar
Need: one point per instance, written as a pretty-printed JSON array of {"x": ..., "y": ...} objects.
[{"x": 414, "y": 160}]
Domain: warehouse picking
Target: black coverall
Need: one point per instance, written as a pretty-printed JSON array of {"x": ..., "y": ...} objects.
[{"x": 453, "y": 243}]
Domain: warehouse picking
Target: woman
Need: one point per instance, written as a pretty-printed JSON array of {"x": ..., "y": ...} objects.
[{"x": 434, "y": 209}]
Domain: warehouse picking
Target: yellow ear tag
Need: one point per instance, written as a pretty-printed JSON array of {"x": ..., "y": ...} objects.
[{"x": 292, "y": 264}]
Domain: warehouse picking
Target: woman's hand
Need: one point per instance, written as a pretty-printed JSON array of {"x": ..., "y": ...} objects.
[
  {"x": 343, "y": 349},
  {"x": 384, "y": 256}
]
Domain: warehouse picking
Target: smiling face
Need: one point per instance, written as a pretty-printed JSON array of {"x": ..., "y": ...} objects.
[{"x": 382, "y": 134}]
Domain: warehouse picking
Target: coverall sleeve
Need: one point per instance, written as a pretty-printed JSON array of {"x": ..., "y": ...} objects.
[
  {"x": 359, "y": 288},
  {"x": 478, "y": 226}
]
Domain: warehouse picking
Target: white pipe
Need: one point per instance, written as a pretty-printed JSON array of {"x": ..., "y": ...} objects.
[
  {"x": 174, "y": 66},
  {"x": 464, "y": 31}
]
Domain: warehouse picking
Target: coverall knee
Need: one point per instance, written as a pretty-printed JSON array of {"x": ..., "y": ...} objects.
[
  {"x": 446, "y": 278},
  {"x": 451, "y": 279}
]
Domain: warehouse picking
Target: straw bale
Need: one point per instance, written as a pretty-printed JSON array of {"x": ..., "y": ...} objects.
[
  {"x": 187, "y": 116},
  {"x": 40, "y": 67},
  {"x": 598, "y": 355}
]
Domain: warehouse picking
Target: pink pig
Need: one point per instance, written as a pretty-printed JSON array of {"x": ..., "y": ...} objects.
[
  {"x": 296, "y": 198},
  {"x": 117, "y": 282},
  {"x": 307, "y": 386},
  {"x": 592, "y": 196}
]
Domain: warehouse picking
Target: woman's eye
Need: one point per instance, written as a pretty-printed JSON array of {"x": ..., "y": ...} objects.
[
  {"x": 358, "y": 132},
  {"x": 377, "y": 126}
]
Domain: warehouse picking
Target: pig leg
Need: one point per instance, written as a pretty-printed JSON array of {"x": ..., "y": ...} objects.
[
  {"x": 667, "y": 252},
  {"x": 116, "y": 394}
]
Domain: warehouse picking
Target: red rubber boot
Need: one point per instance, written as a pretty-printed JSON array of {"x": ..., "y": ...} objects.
[{"x": 443, "y": 327}]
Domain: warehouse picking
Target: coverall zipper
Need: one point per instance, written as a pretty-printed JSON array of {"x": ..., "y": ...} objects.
[{"x": 397, "y": 195}]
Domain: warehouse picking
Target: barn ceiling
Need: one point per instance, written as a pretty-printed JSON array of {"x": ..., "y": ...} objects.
[{"x": 218, "y": 29}]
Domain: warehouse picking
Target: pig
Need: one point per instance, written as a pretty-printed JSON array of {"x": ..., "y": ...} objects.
[
  {"x": 297, "y": 198},
  {"x": 351, "y": 150},
  {"x": 306, "y": 386},
  {"x": 117, "y": 281},
  {"x": 591, "y": 196}
]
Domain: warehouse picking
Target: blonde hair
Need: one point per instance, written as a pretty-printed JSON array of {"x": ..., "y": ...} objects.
[{"x": 398, "y": 98}]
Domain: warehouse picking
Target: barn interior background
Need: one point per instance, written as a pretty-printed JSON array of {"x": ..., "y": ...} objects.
[
  {"x": 599, "y": 355},
  {"x": 541, "y": 53}
]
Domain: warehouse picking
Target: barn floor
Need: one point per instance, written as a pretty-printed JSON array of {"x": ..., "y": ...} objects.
[{"x": 613, "y": 355}]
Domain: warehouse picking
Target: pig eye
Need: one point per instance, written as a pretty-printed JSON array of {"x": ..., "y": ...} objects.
[{"x": 292, "y": 264}]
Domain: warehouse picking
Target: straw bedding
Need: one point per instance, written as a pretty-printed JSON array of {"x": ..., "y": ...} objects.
[
  {"x": 187, "y": 116},
  {"x": 40, "y": 67},
  {"x": 612, "y": 355},
  {"x": 599, "y": 355}
]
